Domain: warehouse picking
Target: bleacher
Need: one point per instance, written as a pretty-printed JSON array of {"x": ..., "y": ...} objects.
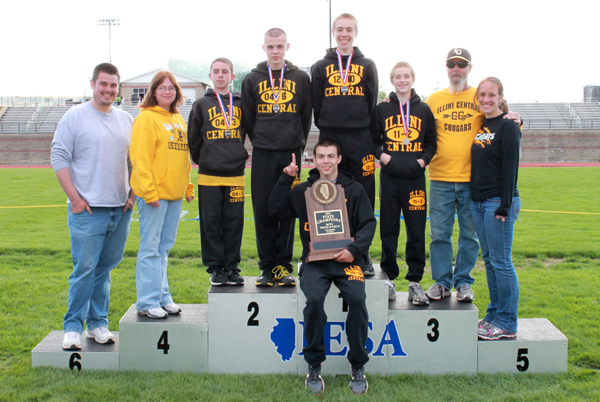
[
  {"x": 558, "y": 116},
  {"x": 537, "y": 116}
]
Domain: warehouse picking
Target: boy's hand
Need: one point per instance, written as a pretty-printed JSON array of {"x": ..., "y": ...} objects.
[
  {"x": 292, "y": 169},
  {"x": 344, "y": 256}
]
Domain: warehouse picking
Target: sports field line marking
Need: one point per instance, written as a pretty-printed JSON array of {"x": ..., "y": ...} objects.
[
  {"x": 561, "y": 212},
  {"x": 524, "y": 210},
  {"x": 35, "y": 206}
]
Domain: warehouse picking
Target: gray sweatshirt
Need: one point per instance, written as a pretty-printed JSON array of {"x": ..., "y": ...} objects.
[{"x": 95, "y": 147}]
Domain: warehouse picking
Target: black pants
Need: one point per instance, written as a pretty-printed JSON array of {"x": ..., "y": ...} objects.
[
  {"x": 221, "y": 211},
  {"x": 316, "y": 279},
  {"x": 274, "y": 238},
  {"x": 407, "y": 196},
  {"x": 357, "y": 156}
]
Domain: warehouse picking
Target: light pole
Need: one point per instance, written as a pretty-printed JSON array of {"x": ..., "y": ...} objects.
[
  {"x": 110, "y": 23},
  {"x": 329, "y": 26}
]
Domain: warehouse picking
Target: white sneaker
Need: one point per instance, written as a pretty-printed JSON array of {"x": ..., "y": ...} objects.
[
  {"x": 72, "y": 341},
  {"x": 391, "y": 291},
  {"x": 157, "y": 312},
  {"x": 172, "y": 308},
  {"x": 100, "y": 335}
]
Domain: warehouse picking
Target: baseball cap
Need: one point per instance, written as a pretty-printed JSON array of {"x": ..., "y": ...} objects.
[{"x": 459, "y": 53}]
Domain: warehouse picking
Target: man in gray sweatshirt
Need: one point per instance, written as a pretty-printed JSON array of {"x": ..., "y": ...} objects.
[{"x": 90, "y": 156}]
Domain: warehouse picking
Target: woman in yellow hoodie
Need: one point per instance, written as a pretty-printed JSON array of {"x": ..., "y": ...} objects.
[{"x": 160, "y": 180}]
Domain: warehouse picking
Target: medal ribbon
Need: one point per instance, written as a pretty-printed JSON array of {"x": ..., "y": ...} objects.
[
  {"x": 227, "y": 120},
  {"x": 276, "y": 97},
  {"x": 344, "y": 74},
  {"x": 405, "y": 119}
]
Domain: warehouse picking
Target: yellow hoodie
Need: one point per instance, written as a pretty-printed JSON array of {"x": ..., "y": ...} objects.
[{"x": 160, "y": 156}]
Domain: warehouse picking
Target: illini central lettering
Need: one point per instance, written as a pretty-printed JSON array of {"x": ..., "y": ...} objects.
[
  {"x": 354, "y": 69},
  {"x": 396, "y": 121},
  {"x": 288, "y": 85}
]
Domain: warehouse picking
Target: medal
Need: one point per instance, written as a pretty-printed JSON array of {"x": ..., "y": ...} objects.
[
  {"x": 276, "y": 107},
  {"x": 344, "y": 74},
  {"x": 405, "y": 121},
  {"x": 227, "y": 119}
]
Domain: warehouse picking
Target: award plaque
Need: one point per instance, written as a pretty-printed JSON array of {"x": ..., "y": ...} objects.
[{"x": 327, "y": 220}]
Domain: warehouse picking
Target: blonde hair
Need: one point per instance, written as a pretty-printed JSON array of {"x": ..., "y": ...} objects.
[
  {"x": 402, "y": 64},
  {"x": 345, "y": 16},
  {"x": 503, "y": 105},
  {"x": 275, "y": 32}
]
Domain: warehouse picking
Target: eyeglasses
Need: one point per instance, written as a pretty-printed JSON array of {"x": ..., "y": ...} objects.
[
  {"x": 461, "y": 64},
  {"x": 164, "y": 89}
]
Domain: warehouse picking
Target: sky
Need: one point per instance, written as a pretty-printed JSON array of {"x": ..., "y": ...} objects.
[{"x": 540, "y": 52}]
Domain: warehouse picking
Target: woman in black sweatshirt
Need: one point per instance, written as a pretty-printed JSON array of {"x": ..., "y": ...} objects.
[{"x": 495, "y": 207}]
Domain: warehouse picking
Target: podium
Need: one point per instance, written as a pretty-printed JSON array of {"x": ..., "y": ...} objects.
[
  {"x": 438, "y": 338},
  {"x": 253, "y": 329},
  {"x": 539, "y": 347},
  {"x": 92, "y": 356},
  {"x": 249, "y": 329},
  {"x": 178, "y": 343}
]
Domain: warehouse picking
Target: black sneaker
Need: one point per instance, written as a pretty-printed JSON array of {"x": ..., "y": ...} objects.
[
  {"x": 282, "y": 276},
  {"x": 265, "y": 279},
  {"x": 367, "y": 268},
  {"x": 218, "y": 277},
  {"x": 359, "y": 384},
  {"x": 234, "y": 278},
  {"x": 314, "y": 382}
]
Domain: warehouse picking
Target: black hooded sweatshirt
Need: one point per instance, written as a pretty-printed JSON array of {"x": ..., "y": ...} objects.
[
  {"x": 388, "y": 136},
  {"x": 266, "y": 128},
  {"x": 216, "y": 153},
  {"x": 286, "y": 203},
  {"x": 335, "y": 109}
]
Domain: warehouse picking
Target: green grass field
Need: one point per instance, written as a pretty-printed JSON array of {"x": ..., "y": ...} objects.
[{"x": 556, "y": 252}]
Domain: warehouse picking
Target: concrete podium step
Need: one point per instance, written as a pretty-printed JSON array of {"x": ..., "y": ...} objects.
[
  {"x": 434, "y": 339},
  {"x": 253, "y": 328},
  {"x": 539, "y": 347},
  {"x": 92, "y": 356},
  {"x": 178, "y": 343}
]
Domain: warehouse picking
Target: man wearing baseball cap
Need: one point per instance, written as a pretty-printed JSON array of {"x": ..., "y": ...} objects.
[{"x": 457, "y": 119}]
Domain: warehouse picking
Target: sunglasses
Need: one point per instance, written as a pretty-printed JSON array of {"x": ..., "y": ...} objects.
[{"x": 461, "y": 64}]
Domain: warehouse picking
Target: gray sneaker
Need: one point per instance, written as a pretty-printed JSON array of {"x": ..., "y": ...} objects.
[
  {"x": 391, "y": 290},
  {"x": 314, "y": 381},
  {"x": 437, "y": 292},
  {"x": 492, "y": 333},
  {"x": 482, "y": 327},
  {"x": 359, "y": 384},
  {"x": 465, "y": 293},
  {"x": 417, "y": 295}
]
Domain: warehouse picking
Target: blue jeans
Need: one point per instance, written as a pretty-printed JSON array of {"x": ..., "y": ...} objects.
[
  {"x": 446, "y": 198},
  {"x": 158, "y": 230},
  {"x": 97, "y": 245},
  {"x": 496, "y": 239}
]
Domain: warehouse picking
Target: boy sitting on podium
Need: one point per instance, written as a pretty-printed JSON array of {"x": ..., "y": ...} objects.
[{"x": 343, "y": 270}]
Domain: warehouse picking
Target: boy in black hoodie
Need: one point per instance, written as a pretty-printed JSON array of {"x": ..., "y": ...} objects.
[
  {"x": 344, "y": 90},
  {"x": 405, "y": 136},
  {"x": 344, "y": 270},
  {"x": 217, "y": 138},
  {"x": 276, "y": 105}
]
